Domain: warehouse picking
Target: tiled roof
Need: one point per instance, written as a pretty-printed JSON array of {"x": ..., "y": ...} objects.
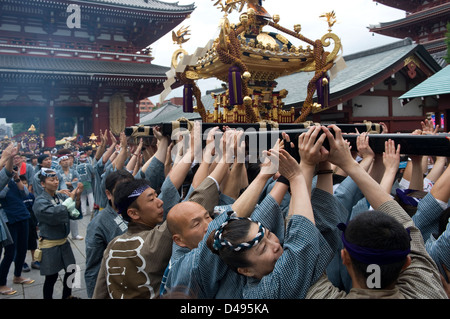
[
  {"x": 52, "y": 65},
  {"x": 443, "y": 9},
  {"x": 146, "y": 4},
  {"x": 362, "y": 68},
  {"x": 437, "y": 84},
  {"x": 165, "y": 108},
  {"x": 169, "y": 112}
]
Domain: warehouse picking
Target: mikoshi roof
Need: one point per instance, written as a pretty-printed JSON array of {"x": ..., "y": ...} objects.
[{"x": 437, "y": 84}]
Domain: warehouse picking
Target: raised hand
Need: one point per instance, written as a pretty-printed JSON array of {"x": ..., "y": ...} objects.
[
  {"x": 288, "y": 166},
  {"x": 427, "y": 127},
  {"x": 123, "y": 140},
  {"x": 210, "y": 147},
  {"x": 7, "y": 156},
  {"x": 391, "y": 156},
  {"x": 339, "y": 153},
  {"x": 311, "y": 148},
  {"x": 112, "y": 137},
  {"x": 384, "y": 128},
  {"x": 157, "y": 133},
  {"x": 362, "y": 144},
  {"x": 288, "y": 145}
]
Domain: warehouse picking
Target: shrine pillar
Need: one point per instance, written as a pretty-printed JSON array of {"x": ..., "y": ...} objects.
[
  {"x": 95, "y": 119},
  {"x": 49, "y": 126}
]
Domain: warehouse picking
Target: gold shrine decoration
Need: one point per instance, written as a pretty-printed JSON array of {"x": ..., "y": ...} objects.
[
  {"x": 250, "y": 60},
  {"x": 331, "y": 19},
  {"x": 176, "y": 56},
  {"x": 412, "y": 63},
  {"x": 178, "y": 37}
]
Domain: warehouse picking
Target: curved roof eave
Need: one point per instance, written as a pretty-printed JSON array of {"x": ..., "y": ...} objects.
[
  {"x": 363, "y": 71},
  {"x": 153, "y": 5}
]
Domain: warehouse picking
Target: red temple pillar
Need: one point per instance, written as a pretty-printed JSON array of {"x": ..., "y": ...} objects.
[
  {"x": 95, "y": 119},
  {"x": 49, "y": 137}
]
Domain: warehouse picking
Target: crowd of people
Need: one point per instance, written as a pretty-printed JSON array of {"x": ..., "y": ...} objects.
[{"x": 170, "y": 219}]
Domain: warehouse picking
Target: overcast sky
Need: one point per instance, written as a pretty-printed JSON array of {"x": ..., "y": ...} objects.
[{"x": 353, "y": 20}]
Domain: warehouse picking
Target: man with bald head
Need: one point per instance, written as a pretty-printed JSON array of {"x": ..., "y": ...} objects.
[{"x": 188, "y": 222}]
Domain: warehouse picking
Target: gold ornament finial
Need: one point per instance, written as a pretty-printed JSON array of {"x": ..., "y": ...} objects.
[
  {"x": 246, "y": 75},
  {"x": 331, "y": 19},
  {"x": 228, "y": 6},
  {"x": 32, "y": 128},
  {"x": 178, "y": 37},
  {"x": 247, "y": 100},
  {"x": 244, "y": 18},
  {"x": 276, "y": 18}
]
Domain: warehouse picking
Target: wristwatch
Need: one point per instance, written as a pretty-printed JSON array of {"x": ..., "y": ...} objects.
[{"x": 17, "y": 180}]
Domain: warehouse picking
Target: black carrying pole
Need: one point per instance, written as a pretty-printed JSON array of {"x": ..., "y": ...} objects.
[
  {"x": 167, "y": 128},
  {"x": 432, "y": 145}
]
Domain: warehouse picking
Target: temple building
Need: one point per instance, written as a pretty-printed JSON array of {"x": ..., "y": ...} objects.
[
  {"x": 425, "y": 23},
  {"x": 81, "y": 65}
]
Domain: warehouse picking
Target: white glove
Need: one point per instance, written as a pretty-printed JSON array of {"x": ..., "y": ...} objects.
[
  {"x": 74, "y": 213},
  {"x": 70, "y": 204}
]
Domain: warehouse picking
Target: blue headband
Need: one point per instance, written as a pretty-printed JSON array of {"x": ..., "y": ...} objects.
[
  {"x": 123, "y": 206},
  {"x": 403, "y": 194},
  {"x": 220, "y": 242},
  {"x": 45, "y": 170},
  {"x": 371, "y": 255}
]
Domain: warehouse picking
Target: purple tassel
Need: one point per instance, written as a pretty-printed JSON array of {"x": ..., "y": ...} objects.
[
  {"x": 323, "y": 91},
  {"x": 188, "y": 106},
  {"x": 235, "y": 86}
]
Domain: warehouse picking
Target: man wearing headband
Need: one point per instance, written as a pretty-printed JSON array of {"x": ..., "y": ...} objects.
[
  {"x": 54, "y": 210},
  {"x": 103, "y": 227},
  {"x": 45, "y": 161},
  {"x": 70, "y": 177},
  {"x": 383, "y": 249}
]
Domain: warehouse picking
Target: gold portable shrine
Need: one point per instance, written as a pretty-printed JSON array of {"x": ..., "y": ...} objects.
[{"x": 250, "y": 60}]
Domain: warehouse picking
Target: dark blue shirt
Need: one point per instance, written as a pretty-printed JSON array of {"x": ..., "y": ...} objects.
[{"x": 11, "y": 199}]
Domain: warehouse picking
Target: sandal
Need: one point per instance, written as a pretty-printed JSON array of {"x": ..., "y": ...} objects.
[
  {"x": 25, "y": 281},
  {"x": 10, "y": 291}
]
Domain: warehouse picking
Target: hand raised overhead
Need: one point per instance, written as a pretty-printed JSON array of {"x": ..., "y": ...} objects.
[
  {"x": 339, "y": 153},
  {"x": 311, "y": 148}
]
